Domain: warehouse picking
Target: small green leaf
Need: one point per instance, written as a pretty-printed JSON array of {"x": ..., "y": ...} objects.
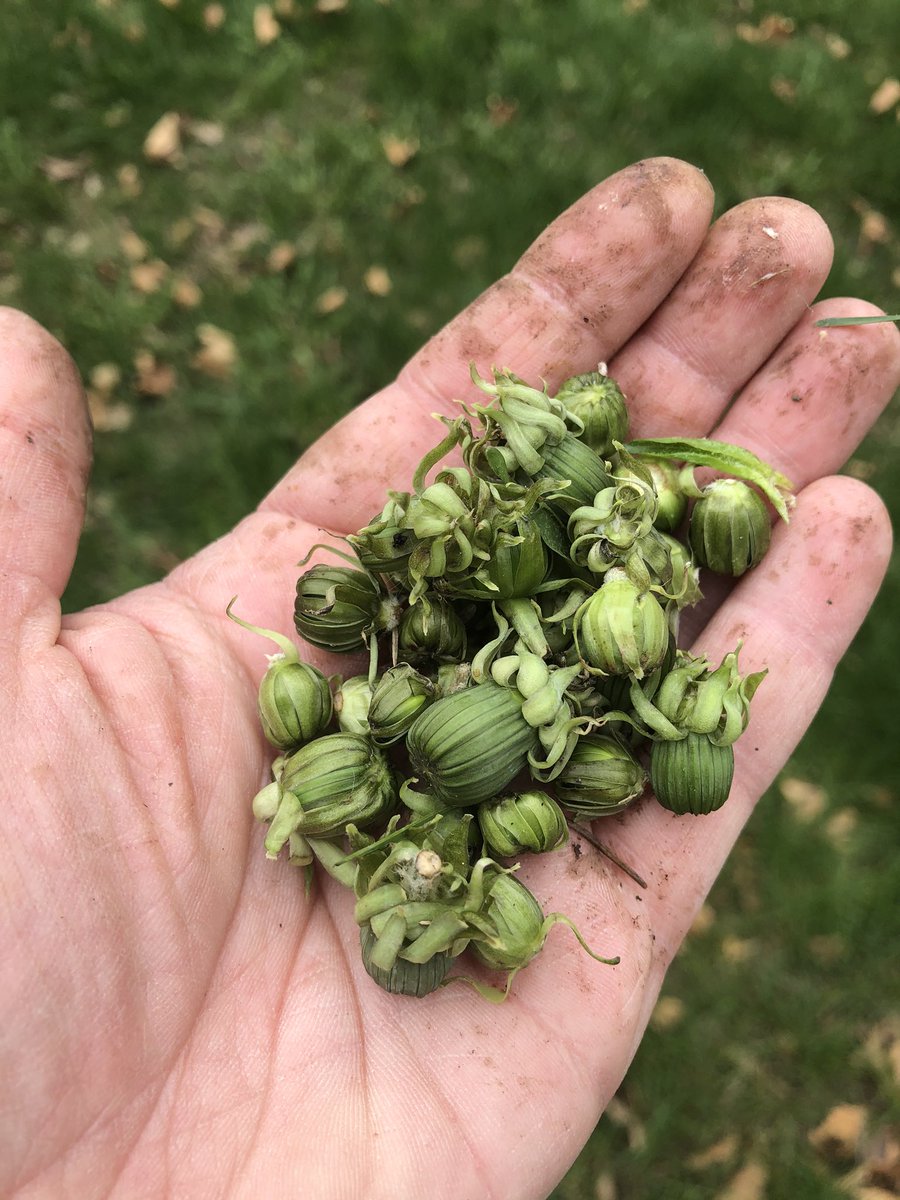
[
  {"x": 721, "y": 456},
  {"x": 832, "y": 322}
]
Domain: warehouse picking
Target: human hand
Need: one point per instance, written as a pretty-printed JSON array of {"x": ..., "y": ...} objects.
[{"x": 177, "y": 1016}]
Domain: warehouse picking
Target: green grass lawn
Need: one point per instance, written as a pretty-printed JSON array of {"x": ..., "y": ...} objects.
[{"x": 337, "y": 182}]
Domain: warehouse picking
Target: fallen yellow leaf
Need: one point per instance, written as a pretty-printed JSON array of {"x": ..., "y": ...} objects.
[
  {"x": 718, "y": 1153},
  {"x": 133, "y": 246},
  {"x": 748, "y": 1184},
  {"x": 398, "y": 151},
  {"x": 217, "y": 354},
  {"x": 806, "y": 799},
  {"x": 839, "y": 1133},
  {"x": 154, "y": 378},
  {"x": 885, "y": 96},
  {"x": 265, "y": 24},
  {"x": 163, "y": 143},
  {"x": 214, "y": 16},
  {"x": 377, "y": 281},
  {"x": 331, "y": 300},
  {"x": 281, "y": 256}
]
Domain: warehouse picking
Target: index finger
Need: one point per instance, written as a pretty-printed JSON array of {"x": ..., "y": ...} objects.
[{"x": 576, "y": 295}]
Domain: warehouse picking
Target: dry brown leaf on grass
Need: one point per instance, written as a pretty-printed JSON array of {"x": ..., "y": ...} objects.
[
  {"x": 840, "y": 828},
  {"x": 108, "y": 416},
  {"x": 163, "y": 143},
  {"x": 186, "y": 293},
  {"x": 331, "y": 300},
  {"x": 881, "y": 1048},
  {"x": 330, "y": 6},
  {"x": 207, "y": 133},
  {"x": 807, "y": 800},
  {"x": 748, "y": 1184},
  {"x": 720, "y": 1152},
  {"x": 217, "y": 354},
  {"x": 133, "y": 246},
  {"x": 265, "y": 24},
  {"x": 397, "y": 150},
  {"x": 154, "y": 378},
  {"x": 377, "y": 281},
  {"x": 840, "y": 1133},
  {"x": 885, "y": 96},
  {"x": 129, "y": 180},
  {"x": 667, "y": 1013},
  {"x": 772, "y": 28},
  {"x": 63, "y": 170},
  {"x": 281, "y": 256},
  {"x": 214, "y": 17},
  {"x": 148, "y": 277},
  {"x": 625, "y": 1117}
]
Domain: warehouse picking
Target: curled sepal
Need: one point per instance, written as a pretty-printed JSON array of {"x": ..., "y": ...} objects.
[
  {"x": 526, "y": 418},
  {"x": 339, "y": 608},
  {"x": 522, "y": 821},
  {"x": 692, "y": 698},
  {"x": 294, "y": 699},
  {"x": 509, "y": 927},
  {"x": 399, "y": 696},
  {"x": 729, "y": 531},
  {"x": 329, "y": 782},
  {"x": 385, "y": 544},
  {"x": 597, "y": 401},
  {"x": 722, "y": 456},
  {"x": 600, "y": 778},
  {"x": 404, "y": 978}
]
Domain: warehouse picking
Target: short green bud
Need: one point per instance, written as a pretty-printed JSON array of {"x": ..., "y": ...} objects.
[
  {"x": 622, "y": 630},
  {"x": 531, "y": 821},
  {"x": 597, "y": 402},
  {"x": 399, "y": 696},
  {"x": 691, "y": 775},
  {"x": 729, "y": 530},
  {"x": 600, "y": 778}
]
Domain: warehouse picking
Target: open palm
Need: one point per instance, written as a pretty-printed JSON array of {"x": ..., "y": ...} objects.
[{"x": 176, "y": 1016}]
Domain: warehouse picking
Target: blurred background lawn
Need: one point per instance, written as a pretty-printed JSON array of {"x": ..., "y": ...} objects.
[{"x": 241, "y": 219}]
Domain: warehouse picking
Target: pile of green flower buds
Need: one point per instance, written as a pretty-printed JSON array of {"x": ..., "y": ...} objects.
[{"x": 520, "y": 612}]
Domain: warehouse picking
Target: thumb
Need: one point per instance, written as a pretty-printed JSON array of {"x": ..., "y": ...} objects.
[{"x": 45, "y": 457}]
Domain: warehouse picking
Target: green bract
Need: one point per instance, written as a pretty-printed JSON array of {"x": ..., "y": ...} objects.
[
  {"x": 601, "y": 777},
  {"x": 336, "y": 608},
  {"x": 691, "y": 775},
  {"x": 622, "y": 630},
  {"x": 597, "y": 401},
  {"x": 398, "y": 698},
  {"x": 294, "y": 701},
  {"x": 729, "y": 530},
  {"x": 523, "y": 821},
  {"x": 336, "y": 779},
  {"x": 520, "y": 609},
  {"x": 467, "y": 747}
]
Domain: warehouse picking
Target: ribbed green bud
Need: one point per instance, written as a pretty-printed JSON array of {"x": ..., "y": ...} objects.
[
  {"x": 352, "y": 701},
  {"x": 516, "y": 921},
  {"x": 622, "y": 630},
  {"x": 513, "y": 570},
  {"x": 337, "y": 607},
  {"x": 691, "y": 775},
  {"x": 294, "y": 703},
  {"x": 399, "y": 696},
  {"x": 597, "y": 401},
  {"x": 730, "y": 529},
  {"x": 576, "y": 462},
  {"x": 294, "y": 698},
  {"x": 404, "y": 978},
  {"x": 468, "y": 747},
  {"x": 601, "y": 777},
  {"x": 432, "y": 631},
  {"x": 530, "y": 821},
  {"x": 336, "y": 779}
]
